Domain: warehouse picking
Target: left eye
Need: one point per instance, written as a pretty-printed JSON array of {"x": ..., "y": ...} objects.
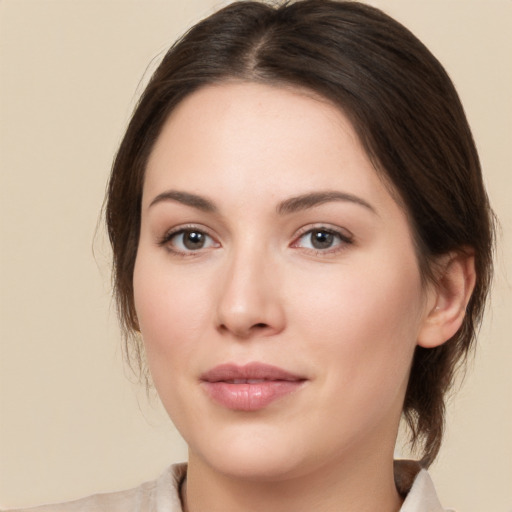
[
  {"x": 187, "y": 240},
  {"x": 321, "y": 239}
]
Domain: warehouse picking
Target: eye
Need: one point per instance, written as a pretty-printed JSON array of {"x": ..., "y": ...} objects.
[
  {"x": 322, "y": 239},
  {"x": 188, "y": 240}
]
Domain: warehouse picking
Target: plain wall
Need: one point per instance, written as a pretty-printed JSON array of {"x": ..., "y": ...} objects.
[{"x": 71, "y": 421}]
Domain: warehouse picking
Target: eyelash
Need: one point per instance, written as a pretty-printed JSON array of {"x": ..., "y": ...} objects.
[
  {"x": 343, "y": 240},
  {"x": 165, "y": 241}
]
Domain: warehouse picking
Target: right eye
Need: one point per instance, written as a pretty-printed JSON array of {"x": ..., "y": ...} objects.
[{"x": 188, "y": 240}]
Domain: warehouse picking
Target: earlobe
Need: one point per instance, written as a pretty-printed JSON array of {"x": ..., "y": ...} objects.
[{"x": 448, "y": 299}]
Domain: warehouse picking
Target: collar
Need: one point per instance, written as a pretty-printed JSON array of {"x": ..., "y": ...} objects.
[{"x": 415, "y": 485}]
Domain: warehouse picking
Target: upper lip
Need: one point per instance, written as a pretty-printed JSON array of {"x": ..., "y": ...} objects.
[{"x": 250, "y": 371}]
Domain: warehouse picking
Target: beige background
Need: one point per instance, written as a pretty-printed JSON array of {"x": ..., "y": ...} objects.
[{"x": 71, "y": 423}]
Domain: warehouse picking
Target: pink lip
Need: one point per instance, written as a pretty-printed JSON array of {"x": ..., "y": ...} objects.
[{"x": 250, "y": 387}]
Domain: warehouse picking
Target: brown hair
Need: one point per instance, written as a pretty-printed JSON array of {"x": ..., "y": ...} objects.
[{"x": 405, "y": 110}]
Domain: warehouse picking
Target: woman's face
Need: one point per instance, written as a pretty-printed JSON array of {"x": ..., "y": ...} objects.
[{"x": 276, "y": 284}]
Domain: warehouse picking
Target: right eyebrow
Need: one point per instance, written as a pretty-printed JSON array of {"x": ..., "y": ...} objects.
[{"x": 186, "y": 198}]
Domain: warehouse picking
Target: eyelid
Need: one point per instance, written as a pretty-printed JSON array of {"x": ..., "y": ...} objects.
[
  {"x": 342, "y": 232},
  {"x": 164, "y": 240},
  {"x": 345, "y": 236}
]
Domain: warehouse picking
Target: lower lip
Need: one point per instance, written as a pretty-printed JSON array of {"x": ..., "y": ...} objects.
[{"x": 250, "y": 397}]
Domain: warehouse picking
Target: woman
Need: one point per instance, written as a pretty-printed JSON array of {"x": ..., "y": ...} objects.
[{"x": 302, "y": 242}]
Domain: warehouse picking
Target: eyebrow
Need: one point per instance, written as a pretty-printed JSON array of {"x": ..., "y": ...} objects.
[
  {"x": 193, "y": 200},
  {"x": 306, "y": 201},
  {"x": 291, "y": 205}
]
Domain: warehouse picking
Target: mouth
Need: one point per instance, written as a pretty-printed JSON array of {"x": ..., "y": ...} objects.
[{"x": 250, "y": 387}]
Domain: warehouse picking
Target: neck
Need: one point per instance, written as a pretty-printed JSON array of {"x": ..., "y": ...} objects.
[{"x": 365, "y": 486}]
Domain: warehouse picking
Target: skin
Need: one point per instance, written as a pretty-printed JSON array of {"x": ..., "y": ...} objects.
[{"x": 345, "y": 317}]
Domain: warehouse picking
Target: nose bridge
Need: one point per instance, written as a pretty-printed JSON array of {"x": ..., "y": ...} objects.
[{"x": 249, "y": 293}]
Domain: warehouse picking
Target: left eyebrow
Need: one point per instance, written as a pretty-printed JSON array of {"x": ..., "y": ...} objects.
[{"x": 306, "y": 201}]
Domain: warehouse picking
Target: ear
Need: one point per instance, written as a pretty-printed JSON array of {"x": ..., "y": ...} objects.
[{"x": 447, "y": 298}]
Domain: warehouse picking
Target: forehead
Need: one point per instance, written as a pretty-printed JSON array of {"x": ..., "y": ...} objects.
[{"x": 254, "y": 138}]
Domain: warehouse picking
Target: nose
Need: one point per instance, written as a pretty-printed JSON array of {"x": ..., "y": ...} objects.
[{"x": 249, "y": 304}]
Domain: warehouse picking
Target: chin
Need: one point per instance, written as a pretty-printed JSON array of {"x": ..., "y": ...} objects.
[
  {"x": 253, "y": 457},
  {"x": 258, "y": 468}
]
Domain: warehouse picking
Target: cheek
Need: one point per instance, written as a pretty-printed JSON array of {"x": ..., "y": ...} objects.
[
  {"x": 363, "y": 320},
  {"x": 171, "y": 314},
  {"x": 172, "y": 311}
]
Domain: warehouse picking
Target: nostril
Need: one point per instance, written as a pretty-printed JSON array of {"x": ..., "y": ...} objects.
[{"x": 260, "y": 326}]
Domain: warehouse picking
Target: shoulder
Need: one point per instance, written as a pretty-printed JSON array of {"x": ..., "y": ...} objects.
[{"x": 158, "y": 495}]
